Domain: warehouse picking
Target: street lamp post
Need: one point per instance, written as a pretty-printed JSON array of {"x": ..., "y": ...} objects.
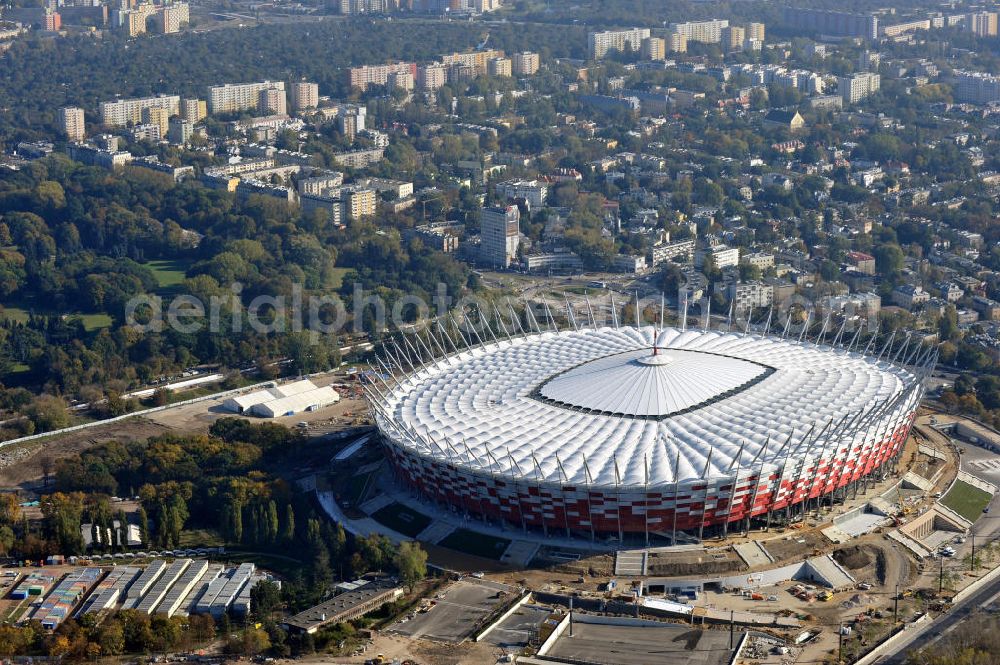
[
  {"x": 895, "y": 606},
  {"x": 972, "y": 563}
]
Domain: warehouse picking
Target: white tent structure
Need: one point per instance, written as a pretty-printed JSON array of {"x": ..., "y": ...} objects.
[
  {"x": 309, "y": 400},
  {"x": 283, "y": 400}
]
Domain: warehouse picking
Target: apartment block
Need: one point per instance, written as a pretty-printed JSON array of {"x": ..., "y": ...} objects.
[
  {"x": 135, "y": 20},
  {"x": 755, "y": 31},
  {"x": 676, "y": 42},
  {"x": 129, "y": 111},
  {"x": 179, "y": 131},
  {"x": 600, "y": 43},
  {"x": 897, "y": 29},
  {"x": 525, "y": 63},
  {"x": 432, "y": 77},
  {"x": 654, "y": 48},
  {"x": 156, "y": 116},
  {"x": 720, "y": 255},
  {"x": 478, "y": 60},
  {"x": 834, "y": 23},
  {"x": 193, "y": 110},
  {"x": 733, "y": 37},
  {"x": 401, "y": 81},
  {"x": 358, "y": 202},
  {"x": 534, "y": 192},
  {"x": 976, "y": 87},
  {"x": 761, "y": 260},
  {"x": 368, "y": 75},
  {"x": 499, "y": 67},
  {"x": 499, "y": 235},
  {"x": 305, "y": 95},
  {"x": 707, "y": 32},
  {"x": 71, "y": 122},
  {"x": 858, "y": 86},
  {"x": 982, "y": 24},
  {"x": 367, "y": 6},
  {"x": 749, "y": 295},
  {"x": 233, "y": 98},
  {"x": 51, "y": 21},
  {"x": 272, "y": 101},
  {"x": 359, "y": 159},
  {"x": 171, "y": 18}
]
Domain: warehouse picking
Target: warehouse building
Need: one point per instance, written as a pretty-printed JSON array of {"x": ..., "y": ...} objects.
[
  {"x": 159, "y": 590},
  {"x": 346, "y": 606},
  {"x": 144, "y": 583},
  {"x": 222, "y": 592},
  {"x": 107, "y": 592},
  {"x": 189, "y": 579}
]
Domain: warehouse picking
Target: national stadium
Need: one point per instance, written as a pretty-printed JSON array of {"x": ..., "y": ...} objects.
[{"x": 615, "y": 432}]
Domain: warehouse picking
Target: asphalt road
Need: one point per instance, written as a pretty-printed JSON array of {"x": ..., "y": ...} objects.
[
  {"x": 455, "y": 613},
  {"x": 516, "y": 630},
  {"x": 939, "y": 627}
]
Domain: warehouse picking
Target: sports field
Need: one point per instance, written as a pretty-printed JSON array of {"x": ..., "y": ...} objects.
[{"x": 966, "y": 500}]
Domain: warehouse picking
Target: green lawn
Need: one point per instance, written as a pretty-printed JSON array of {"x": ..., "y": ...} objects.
[
  {"x": 17, "y": 314},
  {"x": 966, "y": 500},
  {"x": 338, "y": 277},
  {"x": 92, "y": 322},
  {"x": 478, "y": 544},
  {"x": 169, "y": 273},
  {"x": 194, "y": 538},
  {"x": 401, "y": 519}
]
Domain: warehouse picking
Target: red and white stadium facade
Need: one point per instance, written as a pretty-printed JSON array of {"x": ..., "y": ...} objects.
[{"x": 606, "y": 432}]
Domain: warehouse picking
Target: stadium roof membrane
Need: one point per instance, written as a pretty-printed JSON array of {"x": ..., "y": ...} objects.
[{"x": 601, "y": 407}]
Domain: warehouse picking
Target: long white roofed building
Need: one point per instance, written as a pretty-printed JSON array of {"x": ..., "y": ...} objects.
[{"x": 615, "y": 430}]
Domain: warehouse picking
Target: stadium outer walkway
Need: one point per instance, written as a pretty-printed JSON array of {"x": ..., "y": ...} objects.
[{"x": 524, "y": 546}]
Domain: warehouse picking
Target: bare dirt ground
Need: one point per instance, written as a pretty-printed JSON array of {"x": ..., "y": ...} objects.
[
  {"x": 677, "y": 564},
  {"x": 23, "y": 466},
  {"x": 421, "y": 651}
]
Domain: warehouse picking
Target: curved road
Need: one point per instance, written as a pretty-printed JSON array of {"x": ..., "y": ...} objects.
[{"x": 936, "y": 629}]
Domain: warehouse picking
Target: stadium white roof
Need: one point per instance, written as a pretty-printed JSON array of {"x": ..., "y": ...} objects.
[{"x": 596, "y": 405}]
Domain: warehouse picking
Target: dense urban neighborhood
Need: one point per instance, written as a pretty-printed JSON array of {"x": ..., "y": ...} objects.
[{"x": 466, "y": 331}]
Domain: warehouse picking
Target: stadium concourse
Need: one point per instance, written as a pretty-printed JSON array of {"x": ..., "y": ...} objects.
[{"x": 606, "y": 432}]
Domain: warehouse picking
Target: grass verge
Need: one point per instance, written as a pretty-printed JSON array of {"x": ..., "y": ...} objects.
[
  {"x": 478, "y": 544},
  {"x": 401, "y": 519}
]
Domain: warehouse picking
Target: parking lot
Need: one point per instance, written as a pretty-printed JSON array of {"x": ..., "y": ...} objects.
[
  {"x": 455, "y": 613},
  {"x": 642, "y": 645},
  {"x": 979, "y": 462},
  {"x": 515, "y": 631}
]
